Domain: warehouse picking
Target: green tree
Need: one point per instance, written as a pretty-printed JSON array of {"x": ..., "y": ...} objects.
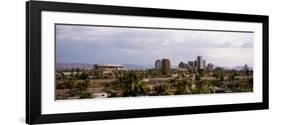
[
  {"x": 60, "y": 75},
  {"x": 197, "y": 77},
  {"x": 132, "y": 84},
  {"x": 72, "y": 75},
  {"x": 136, "y": 88},
  {"x": 221, "y": 75},
  {"x": 162, "y": 89},
  {"x": 231, "y": 77},
  {"x": 77, "y": 70},
  {"x": 85, "y": 95},
  {"x": 207, "y": 87},
  {"x": 183, "y": 87},
  {"x": 60, "y": 86},
  {"x": 203, "y": 87},
  {"x": 77, "y": 74},
  {"x": 83, "y": 86},
  {"x": 83, "y": 76},
  {"x": 70, "y": 85},
  {"x": 217, "y": 72},
  {"x": 247, "y": 73},
  {"x": 98, "y": 74},
  {"x": 201, "y": 72}
]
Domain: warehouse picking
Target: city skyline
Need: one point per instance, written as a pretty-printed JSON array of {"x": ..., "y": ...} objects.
[{"x": 115, "y": 45}]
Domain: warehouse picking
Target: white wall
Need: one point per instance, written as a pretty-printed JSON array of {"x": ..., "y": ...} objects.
[{"x": 12, "y": 64}]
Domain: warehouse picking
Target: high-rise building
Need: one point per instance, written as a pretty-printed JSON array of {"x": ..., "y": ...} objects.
[
  {"x": 200, "y": 62},
  {"x": 204, "y": 64},
  {"x": 210, "y": 66},
  {"x": 158, "y": 64},
  {"x": 195, "y": 64},
  {"x": 182, "y": 65},
  {"x": 166, "y": 66},
  {"x": 245, "y": 67},
  {"x": 190, "y": 65}
]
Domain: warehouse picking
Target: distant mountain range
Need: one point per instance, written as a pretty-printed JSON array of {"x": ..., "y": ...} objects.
[
  {"x": 69, "y": 66},
  {"x": 134, "y": 66},
  {"x": 233, "y": 68},
  {"x": 241, "y": 67}
]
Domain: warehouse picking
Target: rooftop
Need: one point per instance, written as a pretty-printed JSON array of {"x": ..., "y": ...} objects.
[{"x": 108, "y": 65}]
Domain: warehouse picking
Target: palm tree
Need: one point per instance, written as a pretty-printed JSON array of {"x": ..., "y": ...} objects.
[
  {"x": 60, "y": 76},
  {"x": 231, "y": 77},
  {"x": 203, "y": 87},
  {"x": 132, "y": 84},
  {"x": 217, "y": 72},
  {"x": 135, "y": 88},
  {"x": 162, "y": 89},
  {"x": 147, "y": 90},
  {"x": 85, "y": 95},
  {"x": 70, "y": 85},
  {"x": 247, "y": 73},
  {"x": 197, "y": 77},
  {"x": 83, "y": 76},
  {"x": 77, "y": 75},
  {"x": 183, "y": 86},
  {"x": 72, "y": 75},
  {"x": 98, "y": 73},
  {"x": 82, "y": 86},
  {"x": 207, "y": 87}
]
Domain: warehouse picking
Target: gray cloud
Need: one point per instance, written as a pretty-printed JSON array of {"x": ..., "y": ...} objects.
[{"x": 91, "y": 44}]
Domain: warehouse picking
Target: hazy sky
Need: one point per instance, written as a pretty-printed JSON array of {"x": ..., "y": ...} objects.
[{"x": 115, "y": 45}]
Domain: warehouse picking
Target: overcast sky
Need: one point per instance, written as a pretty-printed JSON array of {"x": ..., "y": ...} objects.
[{"x": 115, "y": 45}]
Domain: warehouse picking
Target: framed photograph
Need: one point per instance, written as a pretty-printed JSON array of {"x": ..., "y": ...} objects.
[{"x": 95, "y": 62}]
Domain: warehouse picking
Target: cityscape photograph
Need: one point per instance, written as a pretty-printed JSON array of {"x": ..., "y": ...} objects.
[{"x": 94, "y": 62}]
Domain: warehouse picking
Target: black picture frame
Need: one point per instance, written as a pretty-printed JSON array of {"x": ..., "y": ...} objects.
[{"x": 33, "y": 61}]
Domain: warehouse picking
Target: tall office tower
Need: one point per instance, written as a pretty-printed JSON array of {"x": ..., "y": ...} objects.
[
  {"x": 204, "y": 64},
  {"x": 195, "y": 64},
  {"x": 245, "y": 67},
  {"x": 190, "y": 65},
  {"x": 200, "y": 62},
  {"x": 166, "y": 66},
  {"x": 210, "y": 66},
  {"x": 158, "y": 64},
  {"x": 182, "y": 65}
]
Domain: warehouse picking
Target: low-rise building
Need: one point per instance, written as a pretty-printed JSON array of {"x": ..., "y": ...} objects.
[{"x": 108, "y": 67}]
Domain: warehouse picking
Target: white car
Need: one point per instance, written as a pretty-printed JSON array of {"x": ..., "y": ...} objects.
[{"x": 100, "y": 95}]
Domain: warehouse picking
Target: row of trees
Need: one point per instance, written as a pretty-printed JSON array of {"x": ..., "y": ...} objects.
[
  {"x": 73, "y": 76},
  {"x": 81, "y": 86},
  {"x": 77, "y": 74},
  {"x": 132, "y": 84}
]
